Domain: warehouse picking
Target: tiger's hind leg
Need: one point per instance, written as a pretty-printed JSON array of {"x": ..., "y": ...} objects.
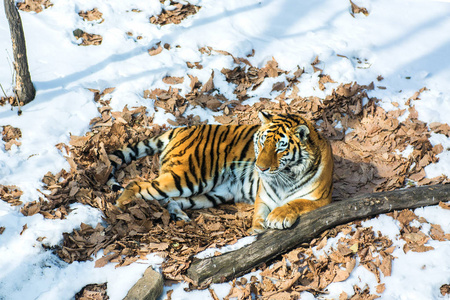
[
  {"x": 173, "y": 192},
  {"x": 167, "y": 185},
  {"x": 176, "y": 205}
]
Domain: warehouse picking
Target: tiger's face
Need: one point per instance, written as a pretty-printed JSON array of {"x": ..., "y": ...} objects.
[{"x": 282, "y": 143}]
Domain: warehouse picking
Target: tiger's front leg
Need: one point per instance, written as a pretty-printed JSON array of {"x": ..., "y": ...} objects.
[
  {"x": 259, "y": 216},
  {"x": 286, "y": 215}
]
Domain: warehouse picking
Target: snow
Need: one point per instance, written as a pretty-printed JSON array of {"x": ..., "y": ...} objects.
[
  {"x": 239, "y": 244},
  {"x": 404, "y": 41}
]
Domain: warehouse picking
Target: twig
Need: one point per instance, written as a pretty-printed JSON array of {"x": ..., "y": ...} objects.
[
  {"x": 1, "y": 86},
  {"x": 19, "y": 112},
  {"x": 213, "y": 294}
]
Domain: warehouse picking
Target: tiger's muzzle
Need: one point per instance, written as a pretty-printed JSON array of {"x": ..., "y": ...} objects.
[{"x": 267, "y": 160}]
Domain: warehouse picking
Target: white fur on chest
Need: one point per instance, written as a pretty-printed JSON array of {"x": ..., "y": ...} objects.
[{"x": 277, "y": 197}]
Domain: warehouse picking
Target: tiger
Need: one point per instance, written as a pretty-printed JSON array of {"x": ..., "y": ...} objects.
[{"x": 283, "y": 166}]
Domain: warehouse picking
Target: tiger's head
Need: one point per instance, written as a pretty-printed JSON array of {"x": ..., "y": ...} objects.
[{"x": 285, "y": 142}]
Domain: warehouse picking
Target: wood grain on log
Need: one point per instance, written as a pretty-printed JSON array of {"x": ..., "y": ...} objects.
[{"x": 272, "y": 243}]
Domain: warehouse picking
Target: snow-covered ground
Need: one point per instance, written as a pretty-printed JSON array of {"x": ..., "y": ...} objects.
[{"x": 406, "y": 42}]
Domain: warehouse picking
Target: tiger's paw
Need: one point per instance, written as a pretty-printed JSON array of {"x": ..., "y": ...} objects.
[
  {"x": 180, "y": 216},
  {"x": 258, "y": 226},
  {"x": 122, "y": 202},
  {"x": 281, "y": 218},
  {"x": 256, "y": 230},
  {"x": 175, "y": 211},
  {"x": 126, "y": 197}
]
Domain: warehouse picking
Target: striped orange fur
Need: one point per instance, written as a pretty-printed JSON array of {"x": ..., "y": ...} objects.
[{"x": 284, "y": 166}]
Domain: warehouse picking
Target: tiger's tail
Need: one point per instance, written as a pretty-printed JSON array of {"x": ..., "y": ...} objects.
[{"x": 150, "y": 146}]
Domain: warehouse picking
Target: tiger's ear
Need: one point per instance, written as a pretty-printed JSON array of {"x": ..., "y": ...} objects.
[
  {"x": 301, "y": 131},
  {"x": 265, "y": 117}
]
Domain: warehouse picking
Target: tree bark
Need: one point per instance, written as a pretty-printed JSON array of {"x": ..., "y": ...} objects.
[
  {"x": 24, "y": 87},
  {"x": 272, "y": 243}
]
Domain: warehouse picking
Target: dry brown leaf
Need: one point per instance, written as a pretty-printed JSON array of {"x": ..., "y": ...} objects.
[
  {"x": 440, "y": 128},
  {"x": 299, "y": 72},
  {"x": 271, "y": 68},
  {"x": 102, "y": 261},
  {"x": 445, "y": 289},
  {"x": 343, "y": 296},
  {"x": 325, "y": 79},
  {"x": 436, "y": 233},
  {"x": 194, "y": 82},
  {"x": 413, "y": 114},
  {"x": 91, "y": 15},
  {"x": 24, "y": 227},
  {"x": 444, "y": 205},
  {"x": 406, "y": 216},
  {"x": 341, "y": 275},
  {"x": 175, "y": 14},
  {"x": 386, "y": 264},
  {"x": 8, "y": 145},
  {"x": 173, "y": 80},
  {"x": 357, "y": 9},
  {"x": 279, "y": 86},
  {"x": 347, "y": 90},
  {"x": 224, "y": 119},
  {"x": 87, "y": 39},
  {"x": 380, "y": 288},
  {"x": 370, "y": 266},
  {"x": 155, "y": 50},
  {"x": 209, "y": 85}
]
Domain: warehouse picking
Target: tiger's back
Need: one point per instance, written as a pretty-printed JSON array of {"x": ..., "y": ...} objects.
[
  {"x": 202, "y": 166},
  {"x": 207, "y": 153}
]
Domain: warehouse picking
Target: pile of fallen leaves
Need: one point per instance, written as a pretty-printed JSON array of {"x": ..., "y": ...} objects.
[
  {"x": 11, "y": 194},
  {"x": 412, "y": 234},
  {"x": 8, "y": 100},
  {"x": 174, "y": 13},
  {"x": 301, "y": 270},
  {"x": 87, "y": 39},
  {"x": 91, "y": 15},
  {"x": 34, "y": 5},
  {"x": 93, "y": 292}
]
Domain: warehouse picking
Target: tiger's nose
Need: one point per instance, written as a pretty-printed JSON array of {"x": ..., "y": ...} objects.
[{"x": 262, "y": 169}]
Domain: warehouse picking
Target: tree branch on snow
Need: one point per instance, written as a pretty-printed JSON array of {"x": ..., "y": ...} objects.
[{"x": 272, "y": 243}]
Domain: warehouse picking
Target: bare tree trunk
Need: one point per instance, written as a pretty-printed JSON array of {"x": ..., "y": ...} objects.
[
  {"x": 24, "y": 87},
  {"x": 272, "y": 243}
]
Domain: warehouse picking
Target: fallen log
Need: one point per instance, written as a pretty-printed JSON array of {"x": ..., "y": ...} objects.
[{"x": 272, "y": 243}]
